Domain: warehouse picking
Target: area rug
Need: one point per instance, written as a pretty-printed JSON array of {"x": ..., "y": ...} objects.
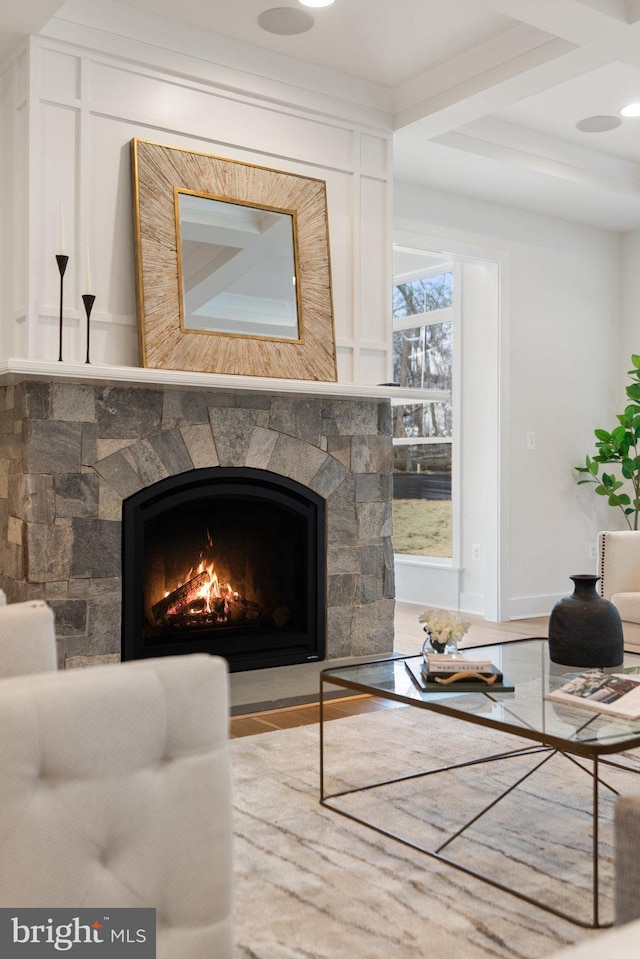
[{"x": 311, "y": 884}]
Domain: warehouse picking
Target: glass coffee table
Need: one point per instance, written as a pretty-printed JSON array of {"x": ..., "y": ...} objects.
[{"x": 587, "y": 746}]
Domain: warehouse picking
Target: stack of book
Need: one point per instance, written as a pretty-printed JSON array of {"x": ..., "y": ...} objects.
[{"x": 445, "y": 669}]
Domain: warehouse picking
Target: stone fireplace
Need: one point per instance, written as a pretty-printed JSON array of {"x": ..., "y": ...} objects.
[{"x": 71, "y": 453}]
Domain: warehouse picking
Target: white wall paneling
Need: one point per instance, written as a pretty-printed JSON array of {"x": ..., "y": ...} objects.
[
  {"x": 373, "y": 365},
  {"x": 14, "y": 228},
  {"x": 375, "y": 283},
  {"x": 87, "y": 104},
  {"x": 60, "y": 134},
  {"x": 185, "y": 51},
  {"x": 344, "y": 357}
]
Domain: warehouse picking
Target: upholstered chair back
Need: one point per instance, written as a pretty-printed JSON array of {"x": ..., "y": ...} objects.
[
  {"x": 619, "y": 562},
  {"x": 115, "y": 792}
]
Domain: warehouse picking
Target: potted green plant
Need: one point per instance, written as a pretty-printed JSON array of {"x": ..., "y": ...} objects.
[{"x": 619, "y": 446}]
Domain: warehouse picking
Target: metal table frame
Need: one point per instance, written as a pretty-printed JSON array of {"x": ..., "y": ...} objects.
[{"x": 546, "y": 747}]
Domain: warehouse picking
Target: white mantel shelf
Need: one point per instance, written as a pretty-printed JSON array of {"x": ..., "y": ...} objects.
[{"x": 15, "y": 370}]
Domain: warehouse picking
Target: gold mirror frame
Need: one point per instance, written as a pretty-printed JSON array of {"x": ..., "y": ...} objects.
[{"x": 158, "y": 172}]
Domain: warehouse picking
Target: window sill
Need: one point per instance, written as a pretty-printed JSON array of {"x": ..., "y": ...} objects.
[{"x": 436, "y": 562}]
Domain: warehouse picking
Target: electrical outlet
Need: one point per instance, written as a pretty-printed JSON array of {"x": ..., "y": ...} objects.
[
  {"x": 593, "y": 551},
  {"x": 476, "y": 553},
  {"x": 531, "y": 441}
]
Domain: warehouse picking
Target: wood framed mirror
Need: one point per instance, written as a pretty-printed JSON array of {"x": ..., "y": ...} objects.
[{"x": 232, "y": 266}]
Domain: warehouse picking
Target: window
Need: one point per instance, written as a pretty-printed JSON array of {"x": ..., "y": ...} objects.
[{"x": 423, "y": 359}]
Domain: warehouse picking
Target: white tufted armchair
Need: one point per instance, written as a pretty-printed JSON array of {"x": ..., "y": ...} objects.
[
  {"x": 115, "y": 791},
  {"x": 27, "y": 638},
  {"x": 619, "y": 569}
]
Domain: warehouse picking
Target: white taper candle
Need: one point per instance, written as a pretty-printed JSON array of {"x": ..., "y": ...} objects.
[{"x": 62, "y": 244}]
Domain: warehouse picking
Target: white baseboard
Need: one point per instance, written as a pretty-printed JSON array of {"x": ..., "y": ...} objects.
[
  {"x": 472, "y": 603},
  {"x": 525, "y": 607}
]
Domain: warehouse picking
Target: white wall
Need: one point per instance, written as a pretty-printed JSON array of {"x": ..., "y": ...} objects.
[
  {"x": 561, "y": 341},
  {"x": 630, "y": 298},
  {"x": 90, "y": 92}
]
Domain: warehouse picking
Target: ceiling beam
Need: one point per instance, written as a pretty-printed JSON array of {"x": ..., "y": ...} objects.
[
  {"x": 536, "y": 163},
  {"x": 582, "y": 22},
  {"x": 500, "y": 87}
]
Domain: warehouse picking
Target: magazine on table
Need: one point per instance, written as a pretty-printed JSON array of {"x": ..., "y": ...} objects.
[{"x": 617, "y": 694}]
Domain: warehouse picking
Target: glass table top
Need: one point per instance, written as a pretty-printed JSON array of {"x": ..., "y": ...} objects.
[{"x": 526, "y": 666}]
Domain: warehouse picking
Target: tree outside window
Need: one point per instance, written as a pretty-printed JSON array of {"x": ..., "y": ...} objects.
[{"x": 423, "y": 359}]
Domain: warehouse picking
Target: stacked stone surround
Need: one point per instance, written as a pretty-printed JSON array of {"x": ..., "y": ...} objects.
[{"x": 70, "y": 454}]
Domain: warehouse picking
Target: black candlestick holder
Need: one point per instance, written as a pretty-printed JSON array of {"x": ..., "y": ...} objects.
[
  {"x": 88, "y": 299},
  {"x": 61, "y": 259}
]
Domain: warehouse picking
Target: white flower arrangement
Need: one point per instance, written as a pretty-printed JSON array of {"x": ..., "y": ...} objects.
[{"x": 444, "y": 626}]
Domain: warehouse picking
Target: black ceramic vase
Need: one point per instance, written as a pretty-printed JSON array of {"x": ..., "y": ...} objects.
[{"x": 585, "y": 629}]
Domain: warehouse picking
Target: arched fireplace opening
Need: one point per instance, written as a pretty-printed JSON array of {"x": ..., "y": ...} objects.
[{"x": 229, "y": 561}]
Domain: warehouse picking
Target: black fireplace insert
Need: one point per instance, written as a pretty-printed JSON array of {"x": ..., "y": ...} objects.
[{"x": 229, "y": 561}]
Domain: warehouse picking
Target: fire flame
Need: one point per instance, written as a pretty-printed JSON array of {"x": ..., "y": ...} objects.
[
  {"x": 202, "y": 593},
  {"x": 211, "y": 597},
  {"x": 212, "y": 590}
]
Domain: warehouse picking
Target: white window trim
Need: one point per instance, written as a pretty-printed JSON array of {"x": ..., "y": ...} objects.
[
  {"x": 421, "y": 440},
  {"x": 430, "y": 318},
  {"x": 453, "y": 315},
  {"x": 497, "y": 604}
]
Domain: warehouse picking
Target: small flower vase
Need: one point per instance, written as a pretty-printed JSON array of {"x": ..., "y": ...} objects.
[{"x": 431, "y": 645}]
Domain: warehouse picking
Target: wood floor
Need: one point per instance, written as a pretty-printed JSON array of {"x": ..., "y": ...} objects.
[{"x": 408, "y": 642}]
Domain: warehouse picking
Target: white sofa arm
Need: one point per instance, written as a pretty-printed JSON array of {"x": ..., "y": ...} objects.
[{"x": 619, "y": 943}]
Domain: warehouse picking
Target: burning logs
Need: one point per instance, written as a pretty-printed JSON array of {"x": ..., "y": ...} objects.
[
  {"x": 193, "y": 603},
  {"x": 180, "y": 597},
  {"x": 203, "y": 602}
]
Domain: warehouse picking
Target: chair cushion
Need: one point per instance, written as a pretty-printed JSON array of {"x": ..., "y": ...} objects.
[{"x": 628, "y": 605}]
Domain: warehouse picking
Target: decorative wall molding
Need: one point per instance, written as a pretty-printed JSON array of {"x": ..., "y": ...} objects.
[{"x": 85, "y": 103}]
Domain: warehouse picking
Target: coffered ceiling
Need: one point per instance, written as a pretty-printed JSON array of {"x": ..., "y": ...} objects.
[{"x": 484, "y": 95}]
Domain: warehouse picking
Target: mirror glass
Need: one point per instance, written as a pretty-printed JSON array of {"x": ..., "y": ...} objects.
[{"x": 237, "y": 268}]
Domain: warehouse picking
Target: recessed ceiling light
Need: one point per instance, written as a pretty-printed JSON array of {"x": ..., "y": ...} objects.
[
  {"x": 631, "y": 110},
  {"x": 316, "y": 3},
  {"x": 286, "y": 21},
  {"x": 598, "y": 124}
]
